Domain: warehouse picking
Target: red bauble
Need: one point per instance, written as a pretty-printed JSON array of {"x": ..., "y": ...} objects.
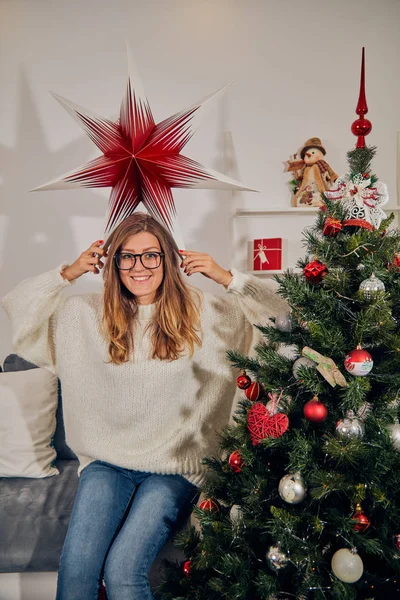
[
  {"x": 315, "y": 271},
  {"x": 209, "y": 505},
  {"x": 261, "y": 424},
  {"x": 397, "y": 541},
  {"x": 315, "y": 410},
  {"x": 396, "y": 261},
  {"x": 358, "y": 362},
  {"x": 236, "y": 461},
  {"x": 361, "y": 520},
  {"x": 332, "y": 227},
  {"x": 187, "y": 567},
  {"x": 253, "y": 392},
  {"x": 243, "y": 381}
]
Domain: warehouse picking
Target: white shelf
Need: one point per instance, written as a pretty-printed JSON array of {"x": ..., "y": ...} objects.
[
  {"x": 299, "y": 210},
  {"x": 280, "y": 272}
]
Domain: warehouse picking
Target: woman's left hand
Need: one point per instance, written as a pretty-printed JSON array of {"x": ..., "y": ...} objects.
[{"x": 198, "y": 262}]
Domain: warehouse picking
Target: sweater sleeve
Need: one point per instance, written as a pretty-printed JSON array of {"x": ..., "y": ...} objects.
[
  {"x": 257, "y": 299},
  {"x": 31, "y": 307}
]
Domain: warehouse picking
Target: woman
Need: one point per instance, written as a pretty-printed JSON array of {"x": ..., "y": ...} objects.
[{"x": 146, "y": 388}]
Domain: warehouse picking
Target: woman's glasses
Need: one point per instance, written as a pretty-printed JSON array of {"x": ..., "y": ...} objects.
[{"x": 126, "y": 261}]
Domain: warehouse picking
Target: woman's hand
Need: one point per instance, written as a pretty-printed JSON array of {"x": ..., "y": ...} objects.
[
  {"x": 89, "y": 260},
  {"x": 198, "y": 262}
]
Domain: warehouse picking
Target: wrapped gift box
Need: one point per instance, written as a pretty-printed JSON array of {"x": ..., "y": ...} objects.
[{"x": 267, "y": 254}]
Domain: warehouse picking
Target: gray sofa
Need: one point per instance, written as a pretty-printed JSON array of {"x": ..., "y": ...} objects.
[{"x": 34, "y": 513}]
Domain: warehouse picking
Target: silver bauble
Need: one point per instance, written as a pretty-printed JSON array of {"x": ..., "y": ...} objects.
[
  {"x": 292, "y": 488},
  {"x": 347, "y": 565},
  {"x": 350, "y": 427},
  {"x": 284, "y": 323},
  {"x": 276, "y": 559},
  {"x": 303, "y": 361},
  {"x": 370, "y": 287},
  {"x": 282, "y": 406},
  {"x": 395, "y": 435},
  {"x": 236, "y": 514}
]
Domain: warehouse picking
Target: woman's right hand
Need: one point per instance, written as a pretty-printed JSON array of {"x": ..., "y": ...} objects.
[{"x": 88, "y": 261}]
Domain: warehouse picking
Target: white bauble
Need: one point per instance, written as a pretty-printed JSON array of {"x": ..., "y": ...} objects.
[
  {"x": 303, "y": 361},
  {"x": 347, "y": 565},
  {"x": 236, "y": 514},
  {"x": 395, "y": 435},
  {"x": 292, "y": 488},
  {"x": 284, "y": 323}
]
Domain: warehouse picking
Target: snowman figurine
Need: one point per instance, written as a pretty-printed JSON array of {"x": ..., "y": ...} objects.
[{"x": 313, "y": 174}]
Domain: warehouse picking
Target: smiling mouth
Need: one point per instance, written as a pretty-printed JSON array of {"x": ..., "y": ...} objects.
[{"x": 143, "y": 278}]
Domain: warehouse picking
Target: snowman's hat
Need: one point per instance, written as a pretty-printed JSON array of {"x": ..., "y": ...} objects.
[{"x": 313, "y": 142}]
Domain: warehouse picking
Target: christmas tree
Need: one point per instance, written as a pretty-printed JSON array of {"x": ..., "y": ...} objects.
[{"x": 304, "y": 501}]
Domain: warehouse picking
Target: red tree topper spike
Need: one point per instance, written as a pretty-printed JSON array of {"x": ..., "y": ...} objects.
[{"x": 361, "y": 127}]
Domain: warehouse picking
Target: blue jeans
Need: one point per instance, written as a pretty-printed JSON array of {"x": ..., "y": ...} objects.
[{"x": 120, "y": 521}]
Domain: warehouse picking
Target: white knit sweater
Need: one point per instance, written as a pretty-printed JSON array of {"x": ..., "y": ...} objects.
[{"x": 146, "y": 414}]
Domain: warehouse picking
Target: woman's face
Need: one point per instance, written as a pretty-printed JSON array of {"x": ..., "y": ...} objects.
[{"x": 139, "y": 280}]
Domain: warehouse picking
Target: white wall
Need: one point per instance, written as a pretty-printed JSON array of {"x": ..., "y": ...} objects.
[{"x": 295, "y": 67}]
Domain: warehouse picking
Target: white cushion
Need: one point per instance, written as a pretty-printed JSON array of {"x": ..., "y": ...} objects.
[{"x": 28, "y": 404}]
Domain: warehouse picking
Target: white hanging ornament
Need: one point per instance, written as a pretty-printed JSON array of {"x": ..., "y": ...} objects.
[
  {"x": 236, "y": 514},
  {"x": 284, "y": 323},
  {"x": 371, "y": 287},
  {"x": 347, "y": 565},
  {"x": 276, "y": 559},
  {"x": 361, "y": 199},
  {"x": 350, "y": 427},
  {"x": 292, "y": 488},
  {"x": 364, "y": 411},
  {"x": 395, "y": 435},
  {"x": 303, "y": 361}
]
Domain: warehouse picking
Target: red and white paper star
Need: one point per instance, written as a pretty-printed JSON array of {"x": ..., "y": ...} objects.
[{"x": 141, "y": 160}]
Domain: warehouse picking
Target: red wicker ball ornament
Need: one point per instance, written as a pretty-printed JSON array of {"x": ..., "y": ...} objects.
[
  {"x": 332, "y": 227},
  {"x": 315, "y": 411},
  {"x": 315, "y": 271},
  {"x": 236, "y": 461},
  {"x": 261, "y": 424},
  {"x": 187, "y": 567},
  {"x": 209, "y": 505},
  {"x": 253, "y": 392},
  {"x": 243, "y": 381},
  {"x": 361, "y": 520}
]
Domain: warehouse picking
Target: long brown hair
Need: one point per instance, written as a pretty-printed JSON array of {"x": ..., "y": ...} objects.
[{"x": 176, "y": 322}]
